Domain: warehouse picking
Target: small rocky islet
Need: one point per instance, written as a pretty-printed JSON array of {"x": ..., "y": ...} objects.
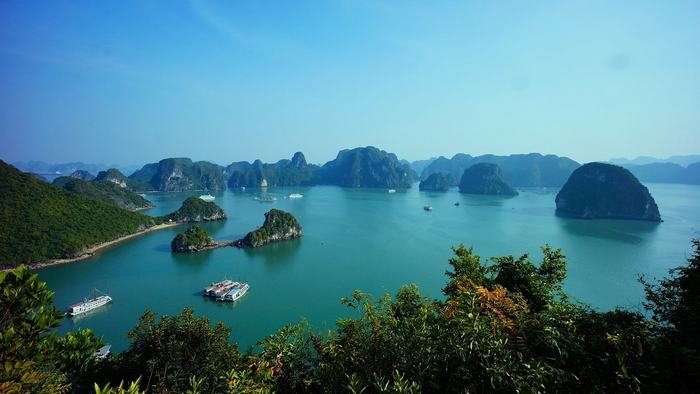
[
  {"x": 278, "y": 226},
  {"x": 194, "y": 239},
  {"x": 606, "y": 191}
]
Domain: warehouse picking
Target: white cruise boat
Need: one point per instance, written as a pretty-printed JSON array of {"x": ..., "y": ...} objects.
[
  {"x": 88, "y": 304},
  {"x": 391, "y": 191},
  {"x": 219, "y": 288},
  {"x": 266, "y": 198},
  {"x": 296, "y": 195},
  {"x": 207, "y": 197},
  {"x": 237, "y": 291}
]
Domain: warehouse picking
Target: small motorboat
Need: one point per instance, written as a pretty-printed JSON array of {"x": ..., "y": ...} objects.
[{"x": 428, "y": 208}]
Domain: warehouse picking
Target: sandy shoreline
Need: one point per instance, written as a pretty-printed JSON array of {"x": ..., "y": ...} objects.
[{"x": 93, "y": 250}]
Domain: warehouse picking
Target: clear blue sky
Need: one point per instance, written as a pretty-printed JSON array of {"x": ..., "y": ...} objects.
[{"x": 135, "y": 81}]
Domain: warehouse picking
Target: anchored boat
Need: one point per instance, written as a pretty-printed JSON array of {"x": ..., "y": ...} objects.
[
  {"x": 237, "y": 291},
  {"x": 89, "y": 304},
  {"x": 428, "y": 208},
  {"x": 227, "y": 290},
  {"x": 296, "y": 195}
]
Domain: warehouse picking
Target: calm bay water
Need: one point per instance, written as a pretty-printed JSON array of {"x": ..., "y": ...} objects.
[{"x": 368, "y": 240}]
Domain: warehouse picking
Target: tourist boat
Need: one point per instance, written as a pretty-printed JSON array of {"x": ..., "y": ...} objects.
[
  {"x": 428, "y": 208},
  {"x": 236, "y": 291},
  {"x": 266, "y": 198},
  {"x": 207, "y": 197},
  {"x": 218, "y": 288},
  {"x": 296, "y": 195},
  {"x": 88, "y": 304},
  {"x": 392, "y": 191}
]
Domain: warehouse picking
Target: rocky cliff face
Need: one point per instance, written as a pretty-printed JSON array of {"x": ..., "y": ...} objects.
[
  {"x": 114, "y": 176},
  {"x": 598, "y": 190},
  {"x": 366, "y": 167},
  {"x": 438, "y": 182},
  {"x": 485, "y": 178},
  {"x": 194, "y": 209},
  {"x": 194, "y": 239},
  {"x": 278, "y": 226},
  {"x": 83, "y": 175},
  {"x": 295, "y": 172},
  {"x": 181, "y": 174}
]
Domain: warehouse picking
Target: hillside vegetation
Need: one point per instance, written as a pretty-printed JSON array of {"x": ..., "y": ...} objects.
[
  {"x": 504, "y": 325},
  {"x": 39, "y": 221},
  {"x": 108, "y": 191}
]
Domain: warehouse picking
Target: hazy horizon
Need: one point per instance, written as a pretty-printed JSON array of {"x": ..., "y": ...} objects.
[{"x": 227, "y": 82}]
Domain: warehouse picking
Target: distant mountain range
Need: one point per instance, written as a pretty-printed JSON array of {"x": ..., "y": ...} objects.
[
  {"x": 66, "y": 169},
  {"x": 520, "y": 170},
  {"x": 684, "y": 160},
  {"x": 359, "y": 167},
  {"x": 666, "y": 173}
]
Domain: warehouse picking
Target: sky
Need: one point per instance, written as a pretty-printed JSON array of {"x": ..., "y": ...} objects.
[{"x": 132, "y": 82}]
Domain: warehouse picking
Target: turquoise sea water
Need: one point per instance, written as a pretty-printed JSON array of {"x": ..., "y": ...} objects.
[{"x": 368, "y": 240}]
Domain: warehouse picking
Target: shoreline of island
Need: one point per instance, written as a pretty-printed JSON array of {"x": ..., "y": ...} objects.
[{"x": 95, "y": 249}]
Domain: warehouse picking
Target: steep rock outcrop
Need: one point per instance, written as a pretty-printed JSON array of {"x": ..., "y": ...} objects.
[
  {"x": 181, "y": 174},
  {"x": 295, "y": 172},
  {"x": 278, "y": 226},
  {"x": 366, "y": 167},
  {"x": 485, "y": 178},
  {"x": 599, "y": 190},
  {"x": 437, "y": 182},
  {"x": 83, "y": 175}
]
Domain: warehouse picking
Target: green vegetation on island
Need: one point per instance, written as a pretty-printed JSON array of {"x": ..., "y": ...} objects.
[
  {"x": 278, "y": 226},
  {"x": 39, "y": 222},
  {"x": 294, "y": 172},
  {"x": 194, "y": 209},
  {"x": 366, "y": 167},
  {"x": 503, "y": 325},
  {"x": 437, "y": 182},
  {"x": 180, "y": 174},
  {"x": 606, "y": 191},
  {"x": 116, "y": 177},
  {"x": 485, "y": 178},
  {"x": 105, "y": 190},
  {"x": 194, "y": 239}
]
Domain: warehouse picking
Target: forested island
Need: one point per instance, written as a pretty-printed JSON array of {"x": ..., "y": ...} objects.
[
  {"x": 40, "y": 222},
  {"x": 194, "y": 239},
  {"x": 606, "y": 191}
]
